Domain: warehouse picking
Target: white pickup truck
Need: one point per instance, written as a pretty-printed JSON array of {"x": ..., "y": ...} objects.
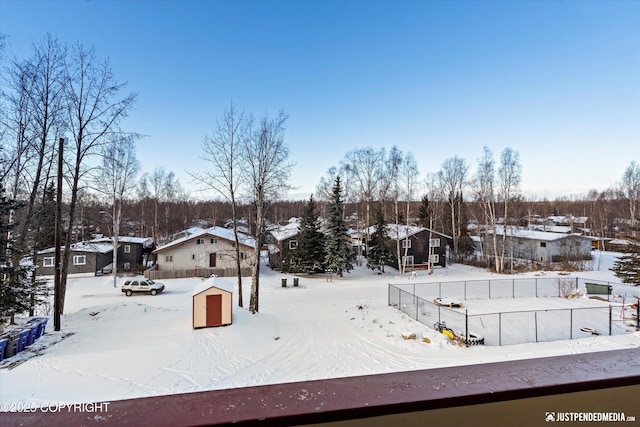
[{"x": 143, "y": 285}]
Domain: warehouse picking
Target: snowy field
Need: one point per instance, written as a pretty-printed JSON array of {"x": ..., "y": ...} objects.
[{"x": 118, "y": 347}]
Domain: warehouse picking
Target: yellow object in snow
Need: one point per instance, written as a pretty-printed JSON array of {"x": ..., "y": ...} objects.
[{"x": 448, "y": 333}]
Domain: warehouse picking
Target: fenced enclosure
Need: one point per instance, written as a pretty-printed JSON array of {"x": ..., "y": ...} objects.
[{"x": 511, "y": 311}]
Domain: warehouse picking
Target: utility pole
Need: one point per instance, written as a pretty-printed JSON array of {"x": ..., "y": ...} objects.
[{"x": 57, "y": 240}]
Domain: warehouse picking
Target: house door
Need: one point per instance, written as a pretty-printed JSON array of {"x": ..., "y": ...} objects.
[
  {"x": 212, "y": 260},
  {"x": 214, "y": 310}
]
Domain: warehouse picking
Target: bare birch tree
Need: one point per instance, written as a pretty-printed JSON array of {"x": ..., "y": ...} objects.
[
  {"x": 409, "y": 178},
  {"x": 453, "y": 180},
  {"x": 267, "y": 178},
  {"x": 94, "y": 109},
  {"x": 509, "y": 175},
  {"x": 630, "y": 187},
  {"x": 365, "y": 167},
  {"x": 116, "y": 180},
  {"x": 486, "y": 196},
  {"x": 223, "y": 151},
  {"x": 45, "y": 99}
]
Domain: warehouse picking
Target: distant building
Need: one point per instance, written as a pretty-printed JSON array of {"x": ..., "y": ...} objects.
[
  {"x": 86, "y": 259},
  {"x": 281, "y": 240},
  {"x": 133, "y": 252},
  {"x": 418, "y": 244},
  {"x": 539, "y": 245}
]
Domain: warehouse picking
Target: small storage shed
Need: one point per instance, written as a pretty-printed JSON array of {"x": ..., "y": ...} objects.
[{"x": 212, "y": 303}]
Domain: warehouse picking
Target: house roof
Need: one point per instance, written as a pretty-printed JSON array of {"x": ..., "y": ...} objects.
[
  {"x": 404, "y": 231},
  {"x": 213, "y": 282},
  {"x": 531, "y": 234},
  {"x": 568, "y": 219},
  {"x": 147, "y": 242},
  {"x": 223, "y": 233},
  {"x": 283, "y": 232},
  {"x": 551, "y": 228},
  {"x": 91, "y": 247}
]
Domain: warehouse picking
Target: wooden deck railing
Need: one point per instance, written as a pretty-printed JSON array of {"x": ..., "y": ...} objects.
[{"x": 530, "y": 392}]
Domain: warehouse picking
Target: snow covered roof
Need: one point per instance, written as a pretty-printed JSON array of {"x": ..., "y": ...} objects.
[
  {"x": 404, "y": 231},
  {"x": 531, "y": 234},
  {"x": 147, "y": 242},
  {"x": 213, "y": 282},
  {"x": 568, "y": 219},
  {"x": 283, "y": 232},
  {"x": 93, "y": 247},
  {"x": 551, "y": 228},
  {"x": 223, "y": 233}
]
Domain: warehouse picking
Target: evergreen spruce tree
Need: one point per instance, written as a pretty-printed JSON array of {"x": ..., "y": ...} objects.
[
  {"x": 15, "y": 289},
  {"x": 309, "y": 256},
  {"x": 379, "y": 252},
  {"x": 338, "y": 252},
  {"x": 424, "y": 212},
  {"x": 627, "y": 267}
]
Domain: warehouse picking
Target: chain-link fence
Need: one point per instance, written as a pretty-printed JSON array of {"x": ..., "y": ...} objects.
[{"x": 534, "y": 314}]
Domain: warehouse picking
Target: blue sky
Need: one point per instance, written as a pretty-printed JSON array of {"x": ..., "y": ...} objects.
[{"x": 558, "y": 81}]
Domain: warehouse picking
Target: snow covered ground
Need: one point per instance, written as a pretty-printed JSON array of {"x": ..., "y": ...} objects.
[{"x": 144, "y": 345}]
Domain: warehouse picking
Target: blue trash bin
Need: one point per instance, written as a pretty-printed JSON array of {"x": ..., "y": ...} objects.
[
  {"x": 3, "y": 345},
  {"x": 24, "y": 339},
  {"x": 40, "y": 323},
  {"x": 33, "y": 331}
]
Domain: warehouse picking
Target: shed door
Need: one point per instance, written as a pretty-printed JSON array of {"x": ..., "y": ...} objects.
[
  {"x": 212, "y": 260},
  {"x": 214, "y": 310}
]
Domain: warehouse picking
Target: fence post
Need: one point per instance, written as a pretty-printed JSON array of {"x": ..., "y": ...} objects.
[
  {"x": 500, "y": 328},
  {"x": 536, "y": 287},
  {"x": 466, "y": 325},
  {"x": 610, "y": 311},
  {"x": 535, "y": 320},
  {"x": 571, "y": 324},
  {"x": 439, "y": 291},
  {"x": 513, "y": 288},
  {"x": 388, "y": 294},
  {"x": 415, "y": 298}
]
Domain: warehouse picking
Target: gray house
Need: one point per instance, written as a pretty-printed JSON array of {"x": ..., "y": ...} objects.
[
  {"x": 133, "y": 252},
  {"x": 540, "y": 246},
  {"x": 87, "y": 258},
  {"x": 418, "y": 245}
]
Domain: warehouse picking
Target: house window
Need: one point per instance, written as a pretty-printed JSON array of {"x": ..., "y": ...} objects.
[
  {"x": 48, "y": 261},
  {"x": 79, "y": 259},
  {"x": 242, "y": 255},
  {"x": 168, "y": 258},
  {"x": 406, "y": 244},
  {"x": 543, "y": 244},
  {"x": 127, "y": 249},
  {"x": 293, "y": 244},
  {"x": 407, "y": 260},
  {"x": 434, "y": 243},
  {"x": 200, "y": 242},
  {"x": 435, "y": 258},
  {"x": 193, "y": 256},
  {"x": 214, "y": 241}
]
